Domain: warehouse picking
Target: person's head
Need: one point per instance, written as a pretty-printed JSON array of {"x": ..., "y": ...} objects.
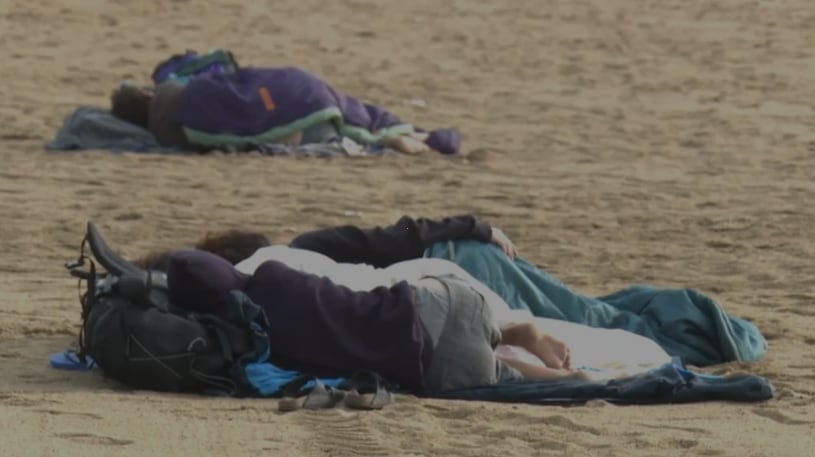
[
  {"x": 156, "y": 261},
  {"x": 233, "y": 245},
  {"x": 131, "y": 103}
]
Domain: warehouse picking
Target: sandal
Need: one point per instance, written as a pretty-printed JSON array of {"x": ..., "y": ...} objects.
[
  {"x": 367, "y": 391},
  {"x": 319, "y": 396},
  {"x": 70, "y": 360}
]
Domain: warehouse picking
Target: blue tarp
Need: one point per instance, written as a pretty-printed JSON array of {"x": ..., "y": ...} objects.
[{"x": 668, "y": 384}]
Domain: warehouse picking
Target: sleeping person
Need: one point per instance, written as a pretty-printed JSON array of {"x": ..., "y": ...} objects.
[
  {"x": 430, "y": 333},
  {"x": 595, "y": 353},
  {"x": 451, "y": 305},
  {"x": 682, "y": 322},
  {"x": 254, "y": 106}
]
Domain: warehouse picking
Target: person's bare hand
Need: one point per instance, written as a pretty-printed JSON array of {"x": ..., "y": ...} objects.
[
  {"x": 551, "y": 351},
  {"x": 500, "y": 239},
  {"x": 582, "y": 375},
  {"x": 405, "y": 144}
]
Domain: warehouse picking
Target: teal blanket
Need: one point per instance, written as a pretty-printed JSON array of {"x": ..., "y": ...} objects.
[{"x": 686, "y": 323}]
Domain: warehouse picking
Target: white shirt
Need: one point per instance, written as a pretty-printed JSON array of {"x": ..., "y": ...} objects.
[{"x": 366, "y": 277}]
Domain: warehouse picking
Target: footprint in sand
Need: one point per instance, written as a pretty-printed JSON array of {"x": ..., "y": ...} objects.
[
  {"x": 85, "y": 191},
  {"x": 131, "y": 216},
  {"x": 798, "y": 311},
  {"x": 90, "y": 438},
  {"x": 10, "y": 191},
  {"x": 16, "y": 136},
  {"x": 455, "y": 413},
  {"x": 692, "y": 430},
  {"x": 779, "y": 417},
  {"x": 806, "y": 298},
  {"x": 683, "y": 443},
  {"x": 557, "y": 421},
  {"x": 568, "y": 424},
  {"x": 342, "y": 432},
  {"x": 55, "y": 412},
  {"x": 14, "y": 400},
  {"x": 711, "y": 452}
]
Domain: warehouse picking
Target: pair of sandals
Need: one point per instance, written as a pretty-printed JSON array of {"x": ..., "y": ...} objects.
[{"x": 365, "y": 390}]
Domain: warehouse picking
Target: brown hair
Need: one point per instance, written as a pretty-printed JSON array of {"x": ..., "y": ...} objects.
[
  {"x": 131, "y": 104},
  {"x": 156, "y": 261},
  {"x": 233, "y": 245}
]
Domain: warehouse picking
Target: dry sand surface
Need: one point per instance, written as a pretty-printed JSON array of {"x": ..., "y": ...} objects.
[{"x": 617, "y": 141}]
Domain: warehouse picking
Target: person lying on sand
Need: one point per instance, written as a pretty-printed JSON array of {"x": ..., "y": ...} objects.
[
  {"x": 680, "y": 322},
  {"x": 253, "y": 106},
  {"x": 430, "y": 333},
  {"x": 453, "y": 315}
]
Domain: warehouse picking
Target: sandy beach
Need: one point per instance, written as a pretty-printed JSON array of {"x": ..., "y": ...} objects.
[{"x": 617, "y": 142}]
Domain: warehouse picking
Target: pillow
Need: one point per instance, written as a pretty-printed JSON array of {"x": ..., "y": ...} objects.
[{"x": 200, "y": 281}]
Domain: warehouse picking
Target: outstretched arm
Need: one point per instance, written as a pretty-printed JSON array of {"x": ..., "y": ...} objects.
[{"x": 383, "y": 246}]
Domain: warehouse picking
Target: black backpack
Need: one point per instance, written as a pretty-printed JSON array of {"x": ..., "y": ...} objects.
[{"x": 132, "y": 330}]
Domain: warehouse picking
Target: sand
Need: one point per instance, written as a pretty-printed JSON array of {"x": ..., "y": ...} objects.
[{"x": 619, "y": 141}]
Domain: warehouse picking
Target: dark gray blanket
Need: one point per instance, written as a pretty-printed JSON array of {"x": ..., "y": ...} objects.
[{"x": 96, "y": 128}]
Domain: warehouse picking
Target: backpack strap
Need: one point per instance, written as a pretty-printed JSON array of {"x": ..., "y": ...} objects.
[
  {"x": 87, "y": 299},
  {"x": 107, "y": 257},
  {"x": 216, "y": 56},
  {"x": 141, "y": 286},
  {"x": 233, "y": 339}
]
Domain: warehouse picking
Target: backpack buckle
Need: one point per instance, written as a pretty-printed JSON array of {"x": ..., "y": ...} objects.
[{"x": 74, "y": 264}]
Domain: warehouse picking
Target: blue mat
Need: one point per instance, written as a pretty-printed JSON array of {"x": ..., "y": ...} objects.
[{"x": 670, "y": 383}]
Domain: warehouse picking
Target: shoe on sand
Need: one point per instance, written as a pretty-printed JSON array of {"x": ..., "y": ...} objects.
[
  {"x": 367, "y": 391},
  {"x": 296, "y": 395}
]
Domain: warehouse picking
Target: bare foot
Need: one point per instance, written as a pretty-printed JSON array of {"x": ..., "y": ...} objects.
[
  {"x": 553, "y": 352},
  {"x": 292, "y": 139},
  {"x": 581, "y": 375},
  {"x": 406, "y": 144},
  {"x": 421, "y": 136}
]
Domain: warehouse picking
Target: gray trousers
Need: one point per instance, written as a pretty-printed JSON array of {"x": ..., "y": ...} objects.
[{"x": 464, "y": 335}]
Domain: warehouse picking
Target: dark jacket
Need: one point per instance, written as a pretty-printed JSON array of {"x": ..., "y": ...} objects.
[{"x": 383, "y": 246}]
